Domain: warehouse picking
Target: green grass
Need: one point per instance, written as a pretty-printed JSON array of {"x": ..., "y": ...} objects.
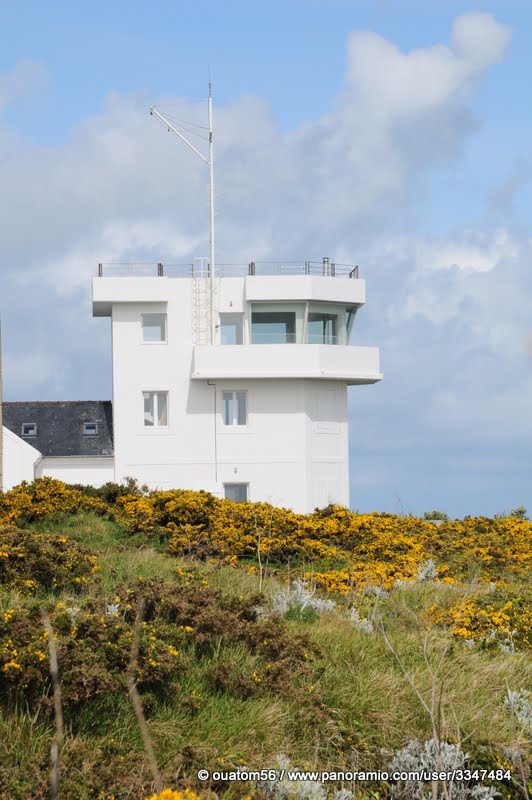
[{"x": 357, "y": 706}]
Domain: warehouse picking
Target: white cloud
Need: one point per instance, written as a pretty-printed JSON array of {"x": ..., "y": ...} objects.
[
  {"x": 33, "y": 372},
  {"x": 479, "y": 39},
  {"x": 26, "y": 79}
]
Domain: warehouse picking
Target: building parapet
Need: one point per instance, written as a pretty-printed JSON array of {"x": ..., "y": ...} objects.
[{"x": 200, "y": 268}]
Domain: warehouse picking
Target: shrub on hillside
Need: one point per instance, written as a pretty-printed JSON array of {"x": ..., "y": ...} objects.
[
  {"x": 109, "y": 492},
  {"x": 31, "y": 561},
  {"x": 490, "y": 549},
  {"x": 93, "y": 652},
  {"x": 356, "y": 549},
  {"x": 45, "y": 497},
  {"x": 494, "y": 617},
  {"x": 94, "y": 645}
]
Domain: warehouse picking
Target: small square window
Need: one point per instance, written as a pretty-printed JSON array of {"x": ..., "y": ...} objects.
[
  {"x": 155, "y": 409},
  {"x": 90, "y": 429},
  {"x": 237, "y": 492},
  {"x": 154, "y": 327},
  {"x": 235, "y": 408},
  {"x": 29, "y": 429}
]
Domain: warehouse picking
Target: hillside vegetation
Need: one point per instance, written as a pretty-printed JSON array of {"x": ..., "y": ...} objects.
[{"x": 257, "y": 638}]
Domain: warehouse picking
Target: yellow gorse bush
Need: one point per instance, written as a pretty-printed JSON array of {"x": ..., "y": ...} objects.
[
  {"x": 344, "y": 553},
  {"x": 43, "y": 498},
  {"x": 500, "y": 615},
  {"x": 171, "y": 794},
  {"x": 376, "y": 548},
  {"x": 341, "y": 551},
  {"x": 29, "y": 561}
]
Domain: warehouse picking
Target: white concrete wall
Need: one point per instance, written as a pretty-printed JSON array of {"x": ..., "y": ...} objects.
[
  {"x": 327, "y": 444},
  {"x": 20, "y": 459},
  {"x": 87, "y": 470},
  {"x": 350, "y": 291}
]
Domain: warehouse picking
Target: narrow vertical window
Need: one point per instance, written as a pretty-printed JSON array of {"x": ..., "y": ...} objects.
[
  {"x": 235, "y": 408},
  {"x": 155, "y": 409}
]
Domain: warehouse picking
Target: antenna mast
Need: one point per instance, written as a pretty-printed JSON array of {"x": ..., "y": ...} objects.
[{"x": 210, "y": 163}]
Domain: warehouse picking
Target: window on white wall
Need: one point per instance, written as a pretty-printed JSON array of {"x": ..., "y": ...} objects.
[
  {"x": 231, "y": 328},
  {"x": 155, "y": 409},
  {"x": 29, "y": 429},
  {"x": 237, "y": 492},
  {"x": 154, "y": 327},
  {"x": 235, "y": 410}
]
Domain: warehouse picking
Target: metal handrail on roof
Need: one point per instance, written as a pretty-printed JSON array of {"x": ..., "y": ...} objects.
[{"x": 200, "y": 269}]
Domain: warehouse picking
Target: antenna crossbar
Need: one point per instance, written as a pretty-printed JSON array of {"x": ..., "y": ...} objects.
[{"x": 210, "y": 163}]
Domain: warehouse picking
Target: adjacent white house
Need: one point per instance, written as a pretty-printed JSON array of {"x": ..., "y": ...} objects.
[
  {"x": 236, "y": 385},
  {"x": 71, "y": 441}
]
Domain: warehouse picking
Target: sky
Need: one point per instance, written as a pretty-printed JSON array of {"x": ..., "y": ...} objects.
[{"x": 392, "y": 134}]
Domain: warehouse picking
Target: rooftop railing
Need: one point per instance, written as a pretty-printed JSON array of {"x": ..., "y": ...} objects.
[{"x": 200, "y": 268}]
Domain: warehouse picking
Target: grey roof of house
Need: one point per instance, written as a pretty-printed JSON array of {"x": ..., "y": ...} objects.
[{"x": 60, "y": 426}]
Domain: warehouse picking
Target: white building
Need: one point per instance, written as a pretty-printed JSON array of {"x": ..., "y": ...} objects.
[{"x": 236, "y": 386}]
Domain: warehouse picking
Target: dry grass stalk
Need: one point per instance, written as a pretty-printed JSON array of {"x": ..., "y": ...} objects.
[
  {"x": 137, "y": 701},
  {"x": 57, "y": 743}
]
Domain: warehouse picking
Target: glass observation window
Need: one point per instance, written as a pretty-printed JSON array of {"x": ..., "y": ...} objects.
[
  {"x": 273, "y": 327},
  {"x": 322, "y": 328},
  {"x": 154, "y": 327},
  {"x": 155, "y": 409}
]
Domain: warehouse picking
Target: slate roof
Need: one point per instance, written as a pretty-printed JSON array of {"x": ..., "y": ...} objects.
[{"x": 60, "y": 426}]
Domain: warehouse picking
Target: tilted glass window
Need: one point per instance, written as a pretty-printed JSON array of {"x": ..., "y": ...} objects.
[
  {"x": 235, "y": 408},
  {"x": 154, "y": 327},
  {"x": 273, "y": 327},
  {"x": 322, "y": 328},
  {"x": 90, "y": 429},
  {"x": 155, "y": 409}
]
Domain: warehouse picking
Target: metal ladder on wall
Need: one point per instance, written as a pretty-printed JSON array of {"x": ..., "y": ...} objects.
[{"x": 201, "y": 301}]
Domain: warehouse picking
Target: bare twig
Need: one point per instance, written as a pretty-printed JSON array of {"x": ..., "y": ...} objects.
[
  {"x": 57, "y": 743},
  {"x": 137, "y": 701},
  {"x": 258, "y": 532},
  {"x": 403, "y": 668}
]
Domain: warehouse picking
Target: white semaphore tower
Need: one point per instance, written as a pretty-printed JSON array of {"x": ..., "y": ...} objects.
[{"x": 233, "y": 378}]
